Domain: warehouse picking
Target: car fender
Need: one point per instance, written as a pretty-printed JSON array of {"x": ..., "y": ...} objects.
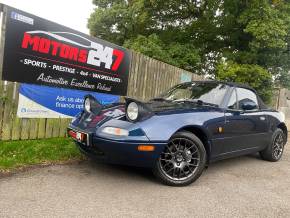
[{"x": 161, "y": 128}]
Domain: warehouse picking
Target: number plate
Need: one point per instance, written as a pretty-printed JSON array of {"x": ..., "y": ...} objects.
[{"x": 79, "y": 136}]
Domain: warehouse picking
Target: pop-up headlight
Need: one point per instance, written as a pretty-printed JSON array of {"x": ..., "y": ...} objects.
[
  {"x": 132, "y": 111},
  {"x": 136, "y": 110},
  {"x": 92, "y": 105}
]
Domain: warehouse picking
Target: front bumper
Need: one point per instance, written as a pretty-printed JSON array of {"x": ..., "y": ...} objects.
[{"x": 120, "y": 151}]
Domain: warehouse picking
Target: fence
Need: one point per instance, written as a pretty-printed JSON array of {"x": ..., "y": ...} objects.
[{"x": 147, "y": 78}]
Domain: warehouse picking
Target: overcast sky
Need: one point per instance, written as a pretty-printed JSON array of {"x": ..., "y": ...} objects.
[{"x": 73, "y": 14}]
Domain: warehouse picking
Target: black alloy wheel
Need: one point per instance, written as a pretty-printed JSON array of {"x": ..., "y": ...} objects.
[
  {"x": 274, "y": 151},
  {"x": 182, "y": 160}
]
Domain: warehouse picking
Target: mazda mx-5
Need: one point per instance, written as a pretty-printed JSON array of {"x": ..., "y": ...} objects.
[{"x": 182, "y": 131}]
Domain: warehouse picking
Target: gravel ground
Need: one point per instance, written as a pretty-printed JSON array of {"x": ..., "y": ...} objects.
[{"x": 241, "y": 187}]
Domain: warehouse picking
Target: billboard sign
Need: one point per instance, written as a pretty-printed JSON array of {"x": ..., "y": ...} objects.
[
  {"x": 38, "y": 51},
  {"x": 49, "y": 102}
]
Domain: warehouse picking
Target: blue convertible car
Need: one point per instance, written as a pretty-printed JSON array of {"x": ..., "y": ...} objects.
[{"x": 180, "y": 132}]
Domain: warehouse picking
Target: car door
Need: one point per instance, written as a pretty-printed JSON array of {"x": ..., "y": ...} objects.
[{"x": 243, "y": 130}]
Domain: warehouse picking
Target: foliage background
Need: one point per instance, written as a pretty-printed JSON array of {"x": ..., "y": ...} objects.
[{"x": 243, "y": 41}]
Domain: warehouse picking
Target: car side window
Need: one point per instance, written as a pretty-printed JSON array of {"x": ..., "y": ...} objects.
[
  {"x": 232, "y": 104},
  {"x": 246, "y": 96}
]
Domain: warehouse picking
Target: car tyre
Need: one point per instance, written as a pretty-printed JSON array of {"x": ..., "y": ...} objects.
[
  {"x": 273, "y": 152},
  {"x": 182, "y": 161}
]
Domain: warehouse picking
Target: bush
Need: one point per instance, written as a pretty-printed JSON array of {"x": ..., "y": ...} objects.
[{"x": 250, "y": 74}]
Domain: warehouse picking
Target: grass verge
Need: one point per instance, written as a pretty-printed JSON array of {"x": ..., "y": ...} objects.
[{"x": 18, "y": 154}]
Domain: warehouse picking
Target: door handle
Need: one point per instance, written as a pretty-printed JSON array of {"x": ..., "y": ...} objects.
[{"x": 262, "y": 118}]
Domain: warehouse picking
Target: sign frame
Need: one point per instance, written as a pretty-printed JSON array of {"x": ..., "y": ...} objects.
[{"x": 73, "y": 59}]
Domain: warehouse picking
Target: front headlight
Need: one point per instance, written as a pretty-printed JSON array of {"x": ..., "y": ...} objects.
[
  {"x": 88, "y": 105},
  {"x": 92, "y": 105},
  {"x": 137, "y": 110},
  {"x": 132, "y": 111},
  {"x": 115, "y": 131}
]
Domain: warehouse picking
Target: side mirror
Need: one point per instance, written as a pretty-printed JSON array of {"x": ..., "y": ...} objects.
[{"x": 249, "y": 105}]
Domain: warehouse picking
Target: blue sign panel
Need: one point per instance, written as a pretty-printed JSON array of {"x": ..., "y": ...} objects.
[{"x": 49, "y": 102}]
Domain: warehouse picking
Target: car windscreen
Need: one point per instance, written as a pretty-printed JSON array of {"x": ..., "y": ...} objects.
[{"x": 212, "y": 93}]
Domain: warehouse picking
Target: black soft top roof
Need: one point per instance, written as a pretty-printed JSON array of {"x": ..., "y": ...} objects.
[{"x": 233, "y": 84}]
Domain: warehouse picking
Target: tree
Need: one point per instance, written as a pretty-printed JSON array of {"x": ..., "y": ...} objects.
[
  {"x": 200, "y": 35},
  {"x": 159, "y": 24},
  {"x": 182, "y": 55}
]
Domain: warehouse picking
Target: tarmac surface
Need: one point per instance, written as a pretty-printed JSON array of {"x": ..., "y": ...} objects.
[{"x": 241, "y": 187}]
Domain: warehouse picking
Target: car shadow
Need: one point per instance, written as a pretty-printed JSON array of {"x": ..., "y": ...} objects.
[
  {"x": 114, "y": 171},
  {"x": 117, "y": 171}
]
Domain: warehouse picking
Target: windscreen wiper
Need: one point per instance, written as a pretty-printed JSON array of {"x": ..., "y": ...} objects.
[
  {"x": 159, "y": 99},
  {"x": 199, "y": 102}
]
